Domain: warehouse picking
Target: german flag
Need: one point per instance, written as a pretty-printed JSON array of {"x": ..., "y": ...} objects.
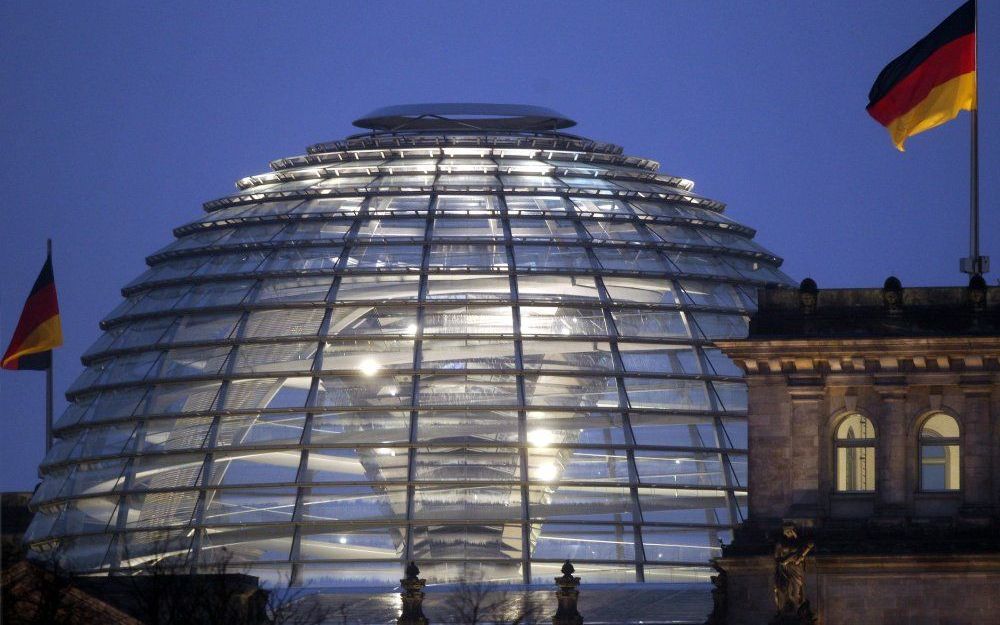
[
  {"x": 931, "y": 82},
  {"x": 39, "y": 329}
]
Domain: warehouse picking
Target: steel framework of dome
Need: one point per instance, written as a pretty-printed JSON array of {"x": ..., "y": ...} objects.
[{"x": 464, "y": 338}]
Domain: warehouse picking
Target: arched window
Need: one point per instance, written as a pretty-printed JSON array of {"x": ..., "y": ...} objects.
[
  {"x": 854, "y": 445},
  {"x": 939, "y": 454}
]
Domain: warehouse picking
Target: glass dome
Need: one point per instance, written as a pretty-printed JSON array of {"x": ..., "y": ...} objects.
[{"x": 483, "y": 347}]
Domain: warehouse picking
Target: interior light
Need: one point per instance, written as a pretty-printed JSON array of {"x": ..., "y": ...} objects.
[
  {"x": 547, "y": 472},
  {"x": 369, "y": 367},
  {"x": 540, "y": 438},
  {"x": 343, "y": 540},
  {"x": 411, "y": 329}
]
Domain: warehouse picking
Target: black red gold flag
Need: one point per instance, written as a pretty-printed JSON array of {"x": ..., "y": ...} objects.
[
  {"x": 39, "y": 330},
  {"x": 931, "y": 82}
]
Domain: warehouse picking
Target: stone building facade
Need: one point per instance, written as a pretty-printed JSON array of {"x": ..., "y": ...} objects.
[{"x": 874, "y": 432}]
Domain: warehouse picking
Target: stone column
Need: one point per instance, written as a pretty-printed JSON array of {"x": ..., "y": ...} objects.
[
  {"x": 808, "y": 417},
  {"x": 891, "y": 453}
]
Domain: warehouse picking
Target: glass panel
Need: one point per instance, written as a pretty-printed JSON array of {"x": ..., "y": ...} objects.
[
  {"x": 577, "y": 465},
  {"x": 631, "y": 259},
  {"x": 314, "y": 230},
  {"x": 350, "y": 503},
  {"x": 353, "y": 428},
  {"x": 255, "y": 468},
  {"x": 468, "y": 427},
  {"x": 465, "y": 544},
  {"x": 385, "y": 256},
  {"x": 304, "y": 259},
  {"x": 174, "y": 471},
  {"x": 716, "y": 326},
  {"x": 467, "y": 287},
  {"x": 267, "y": 393},
  {"x": 856, "y": 427},
  {"x": 456, "y": 256},
  {"x": 469, "y": 227},
  {"x": 261, "y": 429},
  {"x": 468, "y": 464},
  {"x": 216, "y": 294},
  {"x": 468, "y": 390},
  {"x": 617, "y": 231},
  {"x": 377, "y": 390},
  {"x": 285, "y": 290},
  {"x": 348, "y": 465},
  {"x": 719, "y": 363},
  {"x": 174, "y": 398},
  {"x": 681, "y": 467},
  {"x": 416, "y": 204},
  {"x": 584, "y": 542},
  {"x": 212, "y": 327},
  {"x": 333, "y": 206},
  {"x": 192, "y": 361},
  {"x": 679, "y": 430},
  {"x": 551, "y": 257},
  {"x": 581, "y": 503},
  {"x": 350, "y": 574},
  {"x": 732, "y": 395},
  {"x": 600, "y": 205},
  {"x": 468, "y": 354},
  {"x": 640, "y": 290},
  {"x": 468, "y": 320},
  {"x": 668, "y": 544},
  {"x": 353, "y": 320},
  {"x": 544, "y": 229},
  {"x": 591, "y": 391},
  {"x": 392, "y": 228},
  {"x": 856, "y": 469},
  {"x": 486, "y": 502},
  {"x": 568, "y": 355},
  {"x": 160, "y": 509},
  {"x": 275, "y": 358},
  {"x": 536, "y": 205},
  {"x": 939, "y": 426},
  {"x": 544, "y": 572},
  {"x": 557, "y": 288},
  {"x": 706, "y": 293},
  {"x": 563, "y": 321},
  {"x": 653, "y": 358},
  {"x": 590, "y": 428},
  {"x": 674, "y": 505},
  {"x": 283, "y": 323},
  {"x": 650, "y": 323},
  {"x": 319, "y": 543},
  {"x": 246, "y": 544},
  {"x": 174, "y": 434},
  {"x": 244, "y": 261},
  {"x": 377, "y": 288},
  {"x": 666, "y": 394},
  {"x": 368, "y": 356},
  {"x": 241, "y": 507},
  {"x": 469, "y": 204},
  {"x": 939, "y": 467}
]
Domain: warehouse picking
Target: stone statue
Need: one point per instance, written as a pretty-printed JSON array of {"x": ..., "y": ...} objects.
[
  {"x": 413, "y": 597},
  {"x": 566, "y": 598},
  {"x": 789, "y": 577}
]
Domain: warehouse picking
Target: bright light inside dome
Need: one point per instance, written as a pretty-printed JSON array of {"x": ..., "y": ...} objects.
[
  {"x": 540, "y": 438},
  {"x": 369, "y": 367},
  {"x": 547, "y": 472}
]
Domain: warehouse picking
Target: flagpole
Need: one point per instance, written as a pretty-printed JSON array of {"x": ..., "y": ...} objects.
[
  {"x": 48, "y": 381},
  {"x": 974, "y": 264}
]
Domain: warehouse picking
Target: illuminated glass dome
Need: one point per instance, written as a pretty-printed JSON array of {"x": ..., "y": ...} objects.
[{"x": 464, "y": 338}]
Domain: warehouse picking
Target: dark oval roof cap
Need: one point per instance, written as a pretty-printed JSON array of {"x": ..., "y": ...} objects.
[{"x": 464, "y": 116}]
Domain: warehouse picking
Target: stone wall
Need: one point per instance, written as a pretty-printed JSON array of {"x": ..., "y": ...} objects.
[{"x": 863, "y": 590}]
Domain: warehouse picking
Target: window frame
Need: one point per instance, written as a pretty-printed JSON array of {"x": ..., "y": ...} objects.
[
  {"x": 940, "y": 442},
  {"x": 845, "y": 443}
]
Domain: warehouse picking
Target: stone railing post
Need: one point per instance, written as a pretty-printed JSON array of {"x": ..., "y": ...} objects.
[
  {"x": 567, "y": 596},
  {"x": 413, "y": 598}
]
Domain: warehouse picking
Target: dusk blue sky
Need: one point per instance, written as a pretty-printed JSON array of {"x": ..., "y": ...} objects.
[{"x": 118, "y": 120}]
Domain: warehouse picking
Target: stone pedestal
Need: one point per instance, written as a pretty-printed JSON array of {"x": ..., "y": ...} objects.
[
  {"x": 567, "y": 596},
  {"x": 413, "y": 598}
]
